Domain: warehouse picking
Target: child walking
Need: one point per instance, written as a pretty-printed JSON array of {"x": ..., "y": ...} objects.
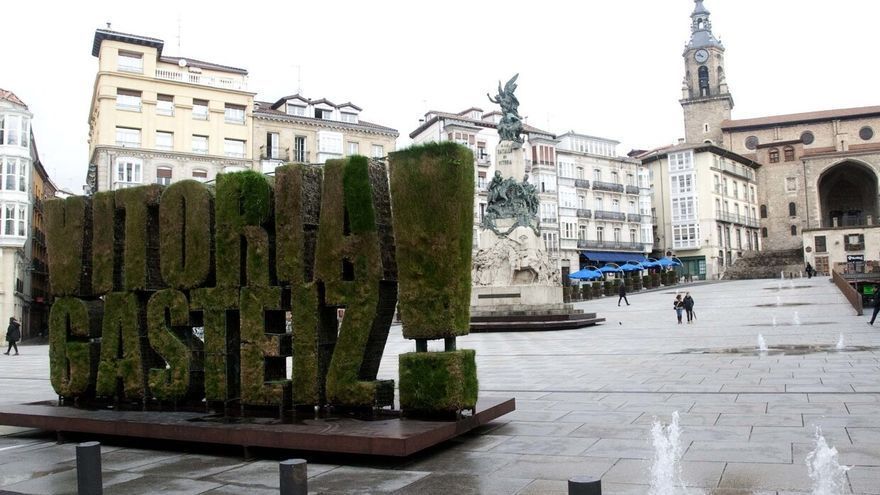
[{"x": 678, "y": 306}]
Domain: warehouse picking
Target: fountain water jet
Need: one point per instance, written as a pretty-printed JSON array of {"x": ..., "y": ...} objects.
[
  {"x": 829, "y": 477},
  {"x": 778, "y": 301},
  {"x": 666, "y": 468},
  {"x": 774, "y": 322},
  {"x": 762, "y": 344},
  {"x": 840, "y": 345}
]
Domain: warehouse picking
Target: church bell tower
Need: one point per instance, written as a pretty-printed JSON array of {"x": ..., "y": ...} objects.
[{"x": 706, "y": 99}]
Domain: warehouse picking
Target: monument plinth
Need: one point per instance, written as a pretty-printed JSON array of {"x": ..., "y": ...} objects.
[{"x": 510, "y": 159}]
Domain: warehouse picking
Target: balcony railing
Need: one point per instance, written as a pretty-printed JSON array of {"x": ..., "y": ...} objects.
[
  {"x": 301, "y": 155},
  {"x": 634, "y": 217},
  {"x": 738, "y": 170},
  {"x": 617, "y": 246},
  {"x": 610, "y": 215},
  {"x": 282, "y": 155},
  {"x": 724, "y": 216},
  {"x": 582, "y": 183},
  {"x": 581, "y": 213},
  {"x": 632, "y": 189},
  {"x": 607, "y": 186},
  {"x": 549, "y": 220},
  {"x": 191, "y": 78}
]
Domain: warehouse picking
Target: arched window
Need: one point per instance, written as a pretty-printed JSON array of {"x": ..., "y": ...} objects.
[
  {"x": 774, "y": 155},
  {"x": 763, "y": 211},
  {"x": 792, "y": 210},
  {"x": 763, "y": 231},
  {"x": 703, "y": 74},
  {"x": 794, "y": 230},
  {"x": 788, "y": 153}
]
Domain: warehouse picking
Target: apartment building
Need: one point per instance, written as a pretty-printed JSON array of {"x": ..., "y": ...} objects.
[
  {"x": 604, "y": 203},
  {"x": 157, "y": 119},
  {"x": 16, "y": 162},
  {"x": 42, "y": 189},
  {"x": 706, "y": 206},
  {"x": 298, "y": 129}
]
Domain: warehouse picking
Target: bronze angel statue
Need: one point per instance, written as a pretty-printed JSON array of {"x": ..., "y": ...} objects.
[{"x": 510, "y": 127}]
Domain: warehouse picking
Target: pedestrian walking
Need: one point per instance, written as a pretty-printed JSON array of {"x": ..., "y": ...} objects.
[
  {"x": 13, "y": 335},
  {"x": 678, "y": 306},
  {"x": 810, "y": 270},
  {"x": 876, "y": 301},
  {"x": 688, "y": 303},
  {"x": 622, "y": 293}
]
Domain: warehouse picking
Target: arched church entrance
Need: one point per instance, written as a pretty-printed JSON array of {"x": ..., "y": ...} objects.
[{"x": 848, "y": 195}]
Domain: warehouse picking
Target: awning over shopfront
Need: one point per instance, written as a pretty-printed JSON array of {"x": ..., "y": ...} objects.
[{"x": 612, "y": 257}]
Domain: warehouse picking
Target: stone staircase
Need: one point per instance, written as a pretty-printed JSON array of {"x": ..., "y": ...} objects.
[{"x": 766, "y": 264}]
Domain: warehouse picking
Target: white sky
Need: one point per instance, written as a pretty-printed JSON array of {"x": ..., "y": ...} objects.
[{"x": 605, "y": 68}]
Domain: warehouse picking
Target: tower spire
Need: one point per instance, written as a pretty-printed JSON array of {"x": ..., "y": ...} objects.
[{"x": 701, "y": 28}]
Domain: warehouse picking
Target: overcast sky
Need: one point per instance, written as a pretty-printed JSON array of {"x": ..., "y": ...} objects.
[{"x": 605, "y": 68}]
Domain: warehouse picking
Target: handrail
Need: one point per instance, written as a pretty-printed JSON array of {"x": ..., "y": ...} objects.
[{"x": 848, "y": 291}]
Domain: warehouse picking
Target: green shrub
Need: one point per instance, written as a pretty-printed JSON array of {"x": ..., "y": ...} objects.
[
  {"x": 432, "y": 194},
  {"x": 609, "y": 288},
  {"x": 65, "y": 242},
  {"x": 646, "y": 281},
  {"x": 438, "y": 381},
  {"x": 185, "y": 247},
  {"x": 597, "y": 290},
  {"x": 586, "y": 292}
]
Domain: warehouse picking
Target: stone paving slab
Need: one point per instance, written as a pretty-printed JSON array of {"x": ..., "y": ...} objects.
[{"x": 586, "y": 400}]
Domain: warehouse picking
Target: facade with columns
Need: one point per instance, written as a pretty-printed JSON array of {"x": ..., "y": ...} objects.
[{"x": 817, "y": 172}]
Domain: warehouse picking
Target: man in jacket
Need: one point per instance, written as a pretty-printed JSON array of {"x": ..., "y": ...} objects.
[
  {"x": 622, "y": 293},
  {"x": 13, "y": 335}
]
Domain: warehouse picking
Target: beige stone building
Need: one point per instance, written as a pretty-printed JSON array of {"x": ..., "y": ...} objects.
[
  {"x": 301, "y": 130},
  {"x": 706, "y": 204},
  {"x": 157, "y": 119}
]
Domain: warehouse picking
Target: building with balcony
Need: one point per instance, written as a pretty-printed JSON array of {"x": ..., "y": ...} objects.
[
  {"x": 16, "y": 164},
  {"x": 42, "y": 189},
  {"x": 705, "y": 200},
  {"x": 156, "y": 118},
  {"x": 478, "y": 131},
  {"x": 301, "y": 130},
  {"x": 604, "y": 202}
]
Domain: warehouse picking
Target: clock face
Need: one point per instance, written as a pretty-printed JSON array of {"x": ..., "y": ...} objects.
[{"x": 701, "y": 55}]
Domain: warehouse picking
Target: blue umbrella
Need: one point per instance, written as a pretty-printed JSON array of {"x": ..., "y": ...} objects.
[
  {"x": 667, "y": 262},
  {"x": 631, "y": 267},
  {"x": 610, "y": 269},
  {"x": 586, "y": 274},
  {"x": 650, "y": 263}
]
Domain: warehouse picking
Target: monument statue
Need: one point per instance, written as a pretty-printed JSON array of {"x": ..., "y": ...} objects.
[
  {"x": 508, "y": 198},
  {"x": 510, "y": 126}
]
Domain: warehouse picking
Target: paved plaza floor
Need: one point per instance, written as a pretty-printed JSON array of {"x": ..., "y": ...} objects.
[{"x": 585, "y": 402}]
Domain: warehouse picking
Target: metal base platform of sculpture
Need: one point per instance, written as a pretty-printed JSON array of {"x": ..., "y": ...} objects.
[
  {"x": 516, "y": 285},
  {"x": 398, "y": 437}
]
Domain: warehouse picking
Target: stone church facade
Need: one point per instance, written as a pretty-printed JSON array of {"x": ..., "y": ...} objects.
[{"x": 818, "y": 175}]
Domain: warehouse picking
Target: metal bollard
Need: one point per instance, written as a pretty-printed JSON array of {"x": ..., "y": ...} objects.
[
  {"x": 294, "y": 477},
  {"x": 88, "y": 469},
  {"x": 584, "y": 485}
]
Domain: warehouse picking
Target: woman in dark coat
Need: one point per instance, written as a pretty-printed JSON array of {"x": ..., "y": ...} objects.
[
  {"x": 13, "y": 335},
  {"x": 688, "y": 304}
]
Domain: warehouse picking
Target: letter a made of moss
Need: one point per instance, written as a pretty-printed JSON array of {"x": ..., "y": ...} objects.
[
  {"x": 141, "y": 253},
  {"x": 242, "y": 206},
  {"x": 171, "y": 382},
  {"x": 261, "y": 348},
  {"x": 185, "y": 234},
  {"x": 73, "y": 357},
  {"x": 221, "y": 341},
  {"x": 121, "y": 353},
  {"x": 351, "y": 269},
  {"x": 438, "y": 381},
  {"x": 65, "y": 236},
  {"x": 432, "y": 197}
]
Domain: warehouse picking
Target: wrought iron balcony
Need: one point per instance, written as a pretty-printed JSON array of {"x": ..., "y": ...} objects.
[
  {"x": 282, "y": 155},
  {"x": 610, "y": 215},
  {"x": 582, "y": 183},
  {"x": 634, "y": 217},
  {"x": 584, "y": 213},
  {"x": 607, "y": 186},
  {"x": 549, "y": 220},
  {"x": 632, "y": 189},
  {"x": 610, "y": 245}
]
